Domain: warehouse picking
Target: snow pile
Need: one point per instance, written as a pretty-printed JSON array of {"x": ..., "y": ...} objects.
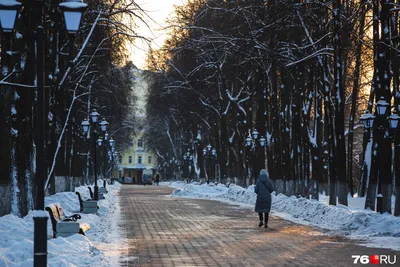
[
  {"x": 351, "y": 221},
  {"x": 94, "y": 249},
  {"x": 341, "y": 218}
]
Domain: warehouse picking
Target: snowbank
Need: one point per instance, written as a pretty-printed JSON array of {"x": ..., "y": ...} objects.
[
  {"x": 380, "y": 230},
  {"x": 98, "y": 248}
]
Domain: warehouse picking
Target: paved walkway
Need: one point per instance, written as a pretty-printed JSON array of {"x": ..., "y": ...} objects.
[{"x": 168, "y": 231}]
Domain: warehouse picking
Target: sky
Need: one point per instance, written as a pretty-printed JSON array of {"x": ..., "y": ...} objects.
[{"x": 158, "y": 11}]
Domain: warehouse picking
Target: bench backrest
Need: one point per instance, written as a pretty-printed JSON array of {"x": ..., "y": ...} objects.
[
  {"x": 60, "y": 211},
  {"x": 80, "y": 200},
  {"x": 54, "y": 215},
  {"x": 91, "y": 192}
]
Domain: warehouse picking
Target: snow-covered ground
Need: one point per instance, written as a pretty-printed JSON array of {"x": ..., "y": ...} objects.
[
  {"x": 103, "y": 244},
  {"x": 375, "y": 229}
]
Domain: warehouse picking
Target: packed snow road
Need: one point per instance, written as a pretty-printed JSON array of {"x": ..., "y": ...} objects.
[{"x": 169, "y": 231}]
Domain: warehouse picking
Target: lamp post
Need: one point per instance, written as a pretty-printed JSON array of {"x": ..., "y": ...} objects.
[
  {"x": 73, "y": 11},
  {"x": 186, "y": 160},
  {"x": 93, "y": 133},
  {"x": 191, "y": 167},
  {"x": 170, "y": 167},
  {"x": 176, "y": 168},
  {"x": 113, "y": 154},
  {"x": 103, "y": 125},
  {"x": 251, "y": 142},
  {"x": 209, "y": 154},
  {"x": 113, "y": 157},
  {"x": 382, "y": 129},
  {"x": 164, "y": 166},
  {"x": 107, "y": 157}
]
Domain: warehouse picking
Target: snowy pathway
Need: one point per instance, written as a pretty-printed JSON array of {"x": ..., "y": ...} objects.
[{"x": 169, "y": 231}]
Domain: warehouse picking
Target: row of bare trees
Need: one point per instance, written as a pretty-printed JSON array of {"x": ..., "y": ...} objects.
[
  {"x": 89, "y": 73},
  {"x": 300, "y": 72}
]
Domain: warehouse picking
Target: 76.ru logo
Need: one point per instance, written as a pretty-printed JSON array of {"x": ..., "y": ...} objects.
[{"x": 374, "y": 259}]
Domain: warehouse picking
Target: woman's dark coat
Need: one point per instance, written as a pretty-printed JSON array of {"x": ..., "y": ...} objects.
[{"x": 263, "y": 190}]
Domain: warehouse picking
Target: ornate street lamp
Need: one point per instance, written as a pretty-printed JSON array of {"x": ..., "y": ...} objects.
[
  {"x": 85, "y": 125},
  {"x": 367, "y": 120},
  {"x": 95, "y": 116},
  {"x": 262, "y": 141},
  {"x": 96, "y": 142},
  {"x": 73, "y": 12},
  {"x": 255, "y": 134},
  {"x": 8, "y": 15},
  {"x": 103, "y": 125},
  {"x": 386, "y": 129},
  {"x": 251, "y": 143},
  {"x": 394, "y": 120},
  {"x": 99, "y": 141},
  {"x": 381, "y": 106},
  {"x": 112, "y": 142},
  {"x": 248, "y": 141}
]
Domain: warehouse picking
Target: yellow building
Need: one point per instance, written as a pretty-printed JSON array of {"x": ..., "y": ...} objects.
[{"x": 136, "y": 162}]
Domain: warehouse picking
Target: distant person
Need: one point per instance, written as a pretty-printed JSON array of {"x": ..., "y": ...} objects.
[
  {"x": 157, "y": 178},
  {"x": 263, "y": 190}
]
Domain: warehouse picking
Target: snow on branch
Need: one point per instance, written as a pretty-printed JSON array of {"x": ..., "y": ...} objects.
[{"x": 323, "y": 51}]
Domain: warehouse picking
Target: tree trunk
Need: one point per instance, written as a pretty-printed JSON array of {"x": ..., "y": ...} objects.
[{"x": 356, "y": 79}]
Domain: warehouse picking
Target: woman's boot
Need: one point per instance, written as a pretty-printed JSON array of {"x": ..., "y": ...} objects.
[{"x": 266, "y": 220}]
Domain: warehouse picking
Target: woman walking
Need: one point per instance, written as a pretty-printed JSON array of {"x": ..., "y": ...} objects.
[{"x": 263, "y": 190}]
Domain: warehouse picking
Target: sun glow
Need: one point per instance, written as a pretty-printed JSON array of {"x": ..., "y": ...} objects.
[{"x": 157, "y": 13}]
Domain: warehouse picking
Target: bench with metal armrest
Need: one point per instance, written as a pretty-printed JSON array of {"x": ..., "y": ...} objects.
[
  {"x": 65, "y": 225},
  {"x": 87, "y": 205}
]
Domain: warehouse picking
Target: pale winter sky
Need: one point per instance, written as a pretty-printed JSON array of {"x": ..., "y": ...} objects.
[{"x": 158, "y": 10}]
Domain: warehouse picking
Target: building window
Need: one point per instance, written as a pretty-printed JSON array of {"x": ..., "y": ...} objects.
[
  {"x": 140, "y": 143},
  {"x": 149, "y": 160},
  {"x": 139, "y": 160},
  {"x": 130, "y": 159}
]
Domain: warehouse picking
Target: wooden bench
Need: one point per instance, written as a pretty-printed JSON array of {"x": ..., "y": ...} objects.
[
  {"x": 65, "y": 225},
  {"x": 92, "y": 195},
  {"x": 82, "y": 201},
  {"x": 103, "y": 190}
]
